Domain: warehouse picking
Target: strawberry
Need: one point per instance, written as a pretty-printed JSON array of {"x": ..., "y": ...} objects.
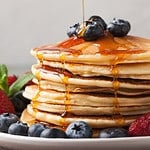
[
  {"x": 11, "y": 79},
  {"x": 5, "y": 104},
  {"x": 9, "y": 85},
  {"x": 141, "y": 126}
]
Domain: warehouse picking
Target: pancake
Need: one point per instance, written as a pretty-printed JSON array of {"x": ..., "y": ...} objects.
[
  {"x": 27, "y": 118},
  {"x": 125, "y": 70},
  {"x": 89, "y": 110},
  {"x": 58, "y": 77},
  {"x": 55, "y": 97},
  {"x": 93, "y": 121},
  {"x": 90, "y": 89},
  {"x": 106, "y": 51}
]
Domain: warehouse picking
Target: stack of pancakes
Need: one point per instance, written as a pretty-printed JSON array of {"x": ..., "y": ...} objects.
[{"x": 105, "y": 83}]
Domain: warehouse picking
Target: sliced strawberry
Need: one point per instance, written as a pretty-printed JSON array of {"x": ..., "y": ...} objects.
[
  {"x": 11, "y": 79},
  {"x": 5, "y": 104}
]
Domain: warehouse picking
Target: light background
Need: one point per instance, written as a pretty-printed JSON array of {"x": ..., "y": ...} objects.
[{"x": 25, "y": 24}]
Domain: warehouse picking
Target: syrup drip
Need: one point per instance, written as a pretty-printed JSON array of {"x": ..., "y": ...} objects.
[
  {"x": 38, "y": 77},
  {"x": 67, "y": 94},
  {"x": 116, "y": 107},
  {"x": 115, "y": 87},
  {"x": 40, "y": 57}
]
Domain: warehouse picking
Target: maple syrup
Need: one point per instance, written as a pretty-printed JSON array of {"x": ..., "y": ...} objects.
[
  {"x": 38, "y": 77},
  {"x": 40, "y": 57},
  {"x": 83, "y": 11},
  {"x": 115, "y": 83},
  {"x": 106, "y": 45},
  {"x": 65, "y": 79}
]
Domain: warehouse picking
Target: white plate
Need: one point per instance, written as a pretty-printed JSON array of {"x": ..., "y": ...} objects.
[{"x": 13, "y": 142}]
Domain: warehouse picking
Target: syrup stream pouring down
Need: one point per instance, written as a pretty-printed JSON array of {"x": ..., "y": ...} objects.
[{"x": 83, "y": 11}]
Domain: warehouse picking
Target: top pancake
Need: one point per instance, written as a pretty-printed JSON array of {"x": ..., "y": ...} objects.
[{"x": 108, "y": 50}]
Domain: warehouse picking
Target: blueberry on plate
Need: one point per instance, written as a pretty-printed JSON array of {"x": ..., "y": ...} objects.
[
  {"x": 36, "y": 129},
  {"x": 99, "y": 20},
  {"x": 79, "y": 129},
  {"x": 113, "y": 133},
  {"x": 53, "y": 133},
  {"x": 6, "y": 119},
  {"x": 72, "y": 30},
  {"x": 119, "y": 27},
  {"x": 93, "y": 31},
  {"x": 18, "y": 128}
]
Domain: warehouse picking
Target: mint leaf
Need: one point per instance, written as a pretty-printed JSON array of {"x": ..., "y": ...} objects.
[
  {"x": 19, "y": 83},
  {"x": 3, "y": 78}
]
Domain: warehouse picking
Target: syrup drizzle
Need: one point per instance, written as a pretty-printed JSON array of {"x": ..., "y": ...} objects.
[
  {"x": 65, "y": 79},
  {"x": 38, "y": 77},
  {"x": 106, "y": 45},
  {"x": 119, "y": 119}
]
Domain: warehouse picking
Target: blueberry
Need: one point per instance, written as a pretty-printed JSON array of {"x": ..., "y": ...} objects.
[
  {"x": 113, "y": 133},
  {"x": 119, "y": 27},
  {"x": 6, "y": 119},
  {"x": 72, "y": 30},
  {"x": 35, "y": 130},
  {"x": 93, "y": 31},
  {"x": 79, "y": 129},
  {"x": 18, "y": 128},
  {"x": 20, "y": 102},
  {"x": 53, "y": 133},
  {"x": 99, "y": 20}
]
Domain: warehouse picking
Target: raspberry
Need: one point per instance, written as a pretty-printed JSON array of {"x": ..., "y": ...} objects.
[{"x": 141, "y": 126}]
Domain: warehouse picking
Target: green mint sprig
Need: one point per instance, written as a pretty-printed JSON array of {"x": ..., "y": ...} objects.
[
  {"x": 3, "y": 78},
  {"x": 17, "y": 85}
]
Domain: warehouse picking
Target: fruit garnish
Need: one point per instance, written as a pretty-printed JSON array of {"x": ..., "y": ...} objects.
[
  {"x": 119, "y": 27},
  {"x": 6, "y": 104},
  {"x": 141, "y": 126},
  {"x": 7, "y": 91},
  {"x": 19, "y": 102},
  {"x": 53, "y": 133},
  {"x": 18, "y": 128},
  {"x": 6, "y": 119},
  {"x": 99, "y": 20},
  {"x": 11, "y": 79},
  {"x": 95, "y": 28},
  {"x": 36, "y": 129},
  {"x": 79, "y": 129},
  {"x": 93, "y": 31},
  {"x": 72, "y": 30},
  {"x": 113, "y": 133},
  {"x": 3, "y": 78}
]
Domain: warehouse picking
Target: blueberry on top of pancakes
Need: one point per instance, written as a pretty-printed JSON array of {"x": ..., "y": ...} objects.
[
  {"x": 95, "y": 28},
  {"x": 119, "y": 27}
]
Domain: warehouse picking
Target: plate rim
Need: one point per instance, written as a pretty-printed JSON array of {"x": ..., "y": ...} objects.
[{"x": 10, "y": 136}]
